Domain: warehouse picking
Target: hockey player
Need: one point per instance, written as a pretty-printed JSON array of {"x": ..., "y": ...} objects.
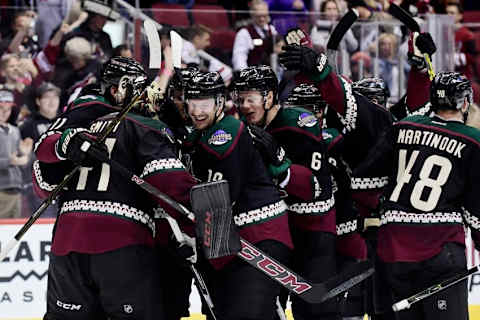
[
  {"x": 374, "y": 89},
  {"x": 223, "y": 149},
  {"x": 103, "y": 264},
  {"x": 350, "y": 245},
  {"x": 431, "y": 161},
  {"x": 312, "y": 223}
]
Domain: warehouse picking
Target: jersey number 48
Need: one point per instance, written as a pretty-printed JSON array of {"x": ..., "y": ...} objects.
[{"x": 424, "y": 179}]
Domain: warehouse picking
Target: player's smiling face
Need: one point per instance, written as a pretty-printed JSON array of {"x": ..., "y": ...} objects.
[
  {"x": 202, "y": 112},
  {"x": 251, "y": 104}
]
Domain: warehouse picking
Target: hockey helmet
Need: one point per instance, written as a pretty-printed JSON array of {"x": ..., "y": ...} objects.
[
  {"x": 449, "y": 89},
  {"x": 261, "y": 78},
  {"x": 204, "y": 84},
  {"x": 374, "y": 89},
  {"x": 307, "y": 96},
  {"x": 179, "y": 80}
]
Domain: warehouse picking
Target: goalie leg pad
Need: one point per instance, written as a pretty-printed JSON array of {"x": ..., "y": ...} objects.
[{"x": 214, "y": 227}]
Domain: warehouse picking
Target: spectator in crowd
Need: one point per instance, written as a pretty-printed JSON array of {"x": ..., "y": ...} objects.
[
  {"x": 322, "y": 29},
  {"x": 51, "y": 13},
  {"x": 316, "y": 5},
  {"x": 253, "y": 44},
  {"x": 17, "y": 74},
  {"x": 361, "y": 66},
  {"x": 199, "y": 39},
  {"x": 22, "y": 39},
  {"x": 79, "y": 70},
  {"x": 47, "y": 103},
  {"x": 92, "y": 29},
  {"x": 14, "y": 153},
  {"x": 292, "y": 18},
  {"x": 388, "y": 61},
  {"x": 464, "y": 41},
  {"x": 123, "y": 50}
]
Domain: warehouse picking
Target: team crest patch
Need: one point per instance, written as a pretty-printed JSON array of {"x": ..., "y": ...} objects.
[
  {"x": 306, "y": 120},
  {"x": 219, "y": 137}
]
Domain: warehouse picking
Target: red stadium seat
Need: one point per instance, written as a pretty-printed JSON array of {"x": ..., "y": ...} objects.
[
  {"x": 471, "y": 16},
  {"x": 222, "y": 39},
  {"x": 172, "y": 14},
  {"x": 214, "y": 17}
]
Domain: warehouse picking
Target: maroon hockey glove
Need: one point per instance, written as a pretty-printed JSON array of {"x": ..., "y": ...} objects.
[{"x": 298, "y": 36}]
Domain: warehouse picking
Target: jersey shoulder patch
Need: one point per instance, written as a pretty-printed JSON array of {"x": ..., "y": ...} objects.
[
  {"x": 295, "y": 117},
  {"x": 222, "y": 137}
]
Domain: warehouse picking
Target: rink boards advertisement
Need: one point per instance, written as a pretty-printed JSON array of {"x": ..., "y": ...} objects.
[{"x": 23, "y": 274}]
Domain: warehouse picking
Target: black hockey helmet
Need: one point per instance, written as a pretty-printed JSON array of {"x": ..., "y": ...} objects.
[
  {"x": 374, "y": 89},
  {"x": 204, "y": 84},
  {"x": 179, "y": 80},
  {"x": 449, "y": 89},
  {"x": 127, "y": 75},
  {"x": 261, "y": 78},
  {"x": 306, "y": 96}
]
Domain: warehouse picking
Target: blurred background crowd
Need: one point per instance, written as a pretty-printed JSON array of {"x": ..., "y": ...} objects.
[{"x": 51, "y": 49}]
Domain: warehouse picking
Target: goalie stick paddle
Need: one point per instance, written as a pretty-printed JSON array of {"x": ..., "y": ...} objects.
[
  {"x": 337, "y": 35},
  {"x": 406, "y": 303},
  {"x": 103, "y": 135},
  {"x": 405, "y": 18},
  {"x": 310, "y": 292}
]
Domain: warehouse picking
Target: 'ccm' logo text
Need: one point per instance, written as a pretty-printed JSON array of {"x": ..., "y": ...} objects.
[{"x": 69, "y": 306}]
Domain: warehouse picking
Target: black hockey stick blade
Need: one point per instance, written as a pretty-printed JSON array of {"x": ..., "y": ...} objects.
[
  {"x": 404, "y": 17},
  {"x": 406, "y": 303},
  {"x": 309, "y": 292},
  {"x": 342, "y": 27}
]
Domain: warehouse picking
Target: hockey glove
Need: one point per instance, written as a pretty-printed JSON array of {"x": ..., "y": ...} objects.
[
  {"x": 298, "y": 36},
  {"x": 271, "y": 151},
  {"x": 81, "y": 148},
  {"x": 418, "y": 45},
  {"x": 306, "y": 60}
]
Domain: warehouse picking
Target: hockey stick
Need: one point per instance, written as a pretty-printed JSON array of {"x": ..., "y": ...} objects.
[
  {"x": 413, "y": 26},
  {"x": 337, "y": 35},
  {"x": 199, "y": 282},
  {"x": 103, "y": 135},
  {"x": 177, "y": 47},
  {"x": 406, "y": 303},
  {"x": 293, "y": 282}
]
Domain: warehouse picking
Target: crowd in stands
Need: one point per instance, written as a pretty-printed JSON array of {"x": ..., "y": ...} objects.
[{"x": 49, "y": 54}]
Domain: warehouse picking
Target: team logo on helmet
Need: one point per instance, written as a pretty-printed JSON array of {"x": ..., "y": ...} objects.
[
  {"x": 219, "y": 137},
  {"x": 306, "y": 120},
  {"x": 128, "y": 308}
]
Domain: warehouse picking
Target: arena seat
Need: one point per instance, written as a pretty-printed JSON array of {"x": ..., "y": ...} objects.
[
  {"x": 171, "y": 14},
  {"x": 212, "y": 16},
  {"x": 471, "y": 16}
]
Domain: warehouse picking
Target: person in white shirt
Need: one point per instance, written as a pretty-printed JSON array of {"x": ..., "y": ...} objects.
[{"x": 253, "y": 44}]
